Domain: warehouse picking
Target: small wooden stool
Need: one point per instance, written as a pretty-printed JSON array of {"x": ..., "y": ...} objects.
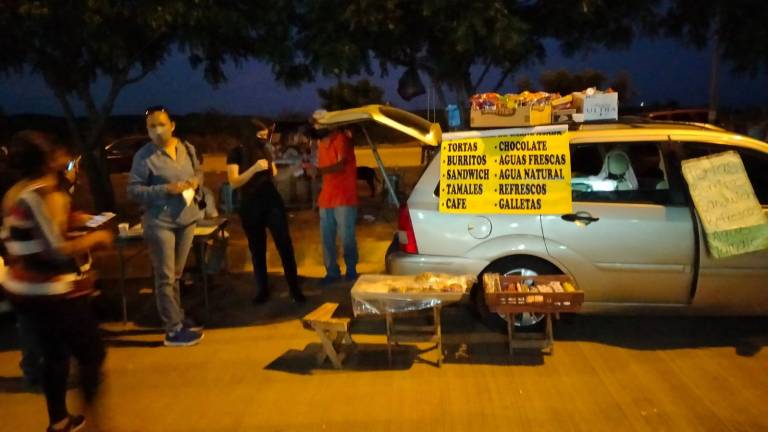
[{"x": 333, "y": 332}]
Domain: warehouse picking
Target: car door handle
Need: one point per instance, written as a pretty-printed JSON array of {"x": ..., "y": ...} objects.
[{"x": 583, "y": 217}]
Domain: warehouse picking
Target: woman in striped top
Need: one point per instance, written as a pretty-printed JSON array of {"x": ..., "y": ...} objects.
[{"x": 45, "y": 278}]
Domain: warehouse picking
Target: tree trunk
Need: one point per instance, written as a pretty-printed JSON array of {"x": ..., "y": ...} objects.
[
  {"x": 502, "y": 79},
  {"x": 104, "y": 196},
  {"x": 464, "y": 90},
  {"x": 438, "y": 86},
  {"x": 93, "y": 158},
  {"x": 99, "y": 181},
  {"x": 714, "y": 72},
  {"x": 94, "y": 164},
  {"x": 440, "y": 94}
]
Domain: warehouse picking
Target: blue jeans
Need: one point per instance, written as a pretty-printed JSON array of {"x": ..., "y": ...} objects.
[
  {"x": 168, "y": 249},
  {"x": 339, "y": 220}
]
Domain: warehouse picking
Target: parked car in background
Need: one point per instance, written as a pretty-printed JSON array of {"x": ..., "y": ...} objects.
[
  {"x": 120, "y": 152},
  {"x": 639, "y": 248},
  {"x": 696, "y": 115}
]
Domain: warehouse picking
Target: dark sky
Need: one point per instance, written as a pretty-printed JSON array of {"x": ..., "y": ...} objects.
[{"x": 660, "y": 69}]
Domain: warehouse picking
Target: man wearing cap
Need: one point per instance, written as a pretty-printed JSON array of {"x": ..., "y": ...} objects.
[{"x": 337, "y": 199}]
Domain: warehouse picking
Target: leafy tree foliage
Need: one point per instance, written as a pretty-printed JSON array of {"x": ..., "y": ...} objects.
[
  {"x": 564, "y": 82},
  {"x": 349, "y": 95},
  {"x": 457, "y": 45},
  {"x": 580, "y": 25},
  {"x": 74, "y": 45},
  {"x": 739, "y": 27},
  {"x": 734, "y": 32},
  {"x": 443, "y": 39}
]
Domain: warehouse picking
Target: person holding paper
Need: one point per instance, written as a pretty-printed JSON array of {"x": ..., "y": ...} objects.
[
  {"x": 47, "y": 279},
  {"x": 250, "y": 170},
  {"x": 164, "y": 179}
]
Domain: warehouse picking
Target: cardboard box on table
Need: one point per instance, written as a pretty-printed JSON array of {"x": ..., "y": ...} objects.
[{"x": 523, "y": 116}]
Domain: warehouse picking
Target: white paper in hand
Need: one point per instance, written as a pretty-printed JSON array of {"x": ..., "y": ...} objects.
[
  {"x": 99, "y": 219},
  {"x": 189, "y": 195}
]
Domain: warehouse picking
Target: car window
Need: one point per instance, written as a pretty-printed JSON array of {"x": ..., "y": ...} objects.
[
  {"x": 755, "y": 163},
  {"x": 619, "y": 172}
]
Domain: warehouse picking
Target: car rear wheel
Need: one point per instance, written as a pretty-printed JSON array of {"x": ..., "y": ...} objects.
[{"x": 518, "y": 265}]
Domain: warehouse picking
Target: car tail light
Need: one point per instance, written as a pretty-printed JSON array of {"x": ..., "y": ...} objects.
[{"x": 405, "y": 234}]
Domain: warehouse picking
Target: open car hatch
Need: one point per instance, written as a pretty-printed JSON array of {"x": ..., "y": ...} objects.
[{"x": 410, "y": 124}]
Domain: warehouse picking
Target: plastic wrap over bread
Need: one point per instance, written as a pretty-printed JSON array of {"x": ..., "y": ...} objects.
[{"x": 378, "y": 294}]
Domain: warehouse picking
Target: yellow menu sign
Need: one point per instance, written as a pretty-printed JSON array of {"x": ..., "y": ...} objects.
[
  {"x": 732, "y": 218},
  {"x": 513, "y": 171}
]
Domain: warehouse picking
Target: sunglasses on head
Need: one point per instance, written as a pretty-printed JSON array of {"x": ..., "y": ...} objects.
[{"x": 154, "y": 109}]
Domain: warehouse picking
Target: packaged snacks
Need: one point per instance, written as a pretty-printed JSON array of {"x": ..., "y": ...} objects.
[
  {"x": 510, "y": 110},
  {"x": 494, "y": 103},
  {"x": 535, "y": 293}
]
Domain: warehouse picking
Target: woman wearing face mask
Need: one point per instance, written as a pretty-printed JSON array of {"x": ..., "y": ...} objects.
[
  {"x": 163, "y": 179},
  {"x": 250, "y": 169},
  {"x": 47, "y": 282}
]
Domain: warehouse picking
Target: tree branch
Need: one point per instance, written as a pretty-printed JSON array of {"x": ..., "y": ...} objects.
[
  {"x": 423, "y": 63},
  {"x": 100, "y": 115},
  {"x": 501, "y": 81},
  {"x": 126, "y": 69},
  {"x": 118, "y": 83},
  {"x": 438, "y": 89},
  {"x": 465, "y": 89},
  {"x": 481, "y": 77},
  {"x": 69, "y": 115},
  {"x": 109, "y": 103},
  {"x": 84, "y": 92},
  {"x": 136, "y": 78}
]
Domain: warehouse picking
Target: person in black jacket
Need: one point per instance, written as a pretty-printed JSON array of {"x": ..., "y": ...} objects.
[{"x": 250, "y": 170}]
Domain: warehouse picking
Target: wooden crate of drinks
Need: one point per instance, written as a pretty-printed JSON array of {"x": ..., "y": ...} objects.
[{"x": 533, "y": 294}]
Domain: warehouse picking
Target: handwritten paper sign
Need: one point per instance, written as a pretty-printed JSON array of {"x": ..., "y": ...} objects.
[
  {"x": 512, "y": 171},
  {"x": 730, "y": 213}
]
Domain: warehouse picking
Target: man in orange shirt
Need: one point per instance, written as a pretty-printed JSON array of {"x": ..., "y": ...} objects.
[{"x": 338, "y": 201}]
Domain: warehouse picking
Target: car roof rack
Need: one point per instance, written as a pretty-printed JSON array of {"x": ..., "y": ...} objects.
[
  {"x": 624, "y": 122},
  {"x": 639, "y": 122}
]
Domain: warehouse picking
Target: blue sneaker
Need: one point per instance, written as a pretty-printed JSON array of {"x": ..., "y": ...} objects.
[
  {"x": 182, "y": 338},
  {"x": 189, "y": 324}
]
